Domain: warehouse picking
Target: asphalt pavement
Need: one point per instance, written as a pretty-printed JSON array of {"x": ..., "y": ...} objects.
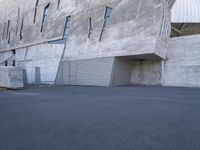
[{"x": 100, "y": 118}]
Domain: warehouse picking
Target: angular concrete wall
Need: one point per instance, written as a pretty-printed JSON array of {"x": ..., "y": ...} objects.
[
  {"x": 136, "y": 27},
  {"x": 11, "y": 77},
  {"x": 40, "y": 61},
  {"x": 182, "y": 67},
  {"x": 121, "y": 73},
  {"x": 6, "y": 56}
]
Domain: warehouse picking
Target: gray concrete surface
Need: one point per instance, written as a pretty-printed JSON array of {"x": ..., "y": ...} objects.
[
  {"x": 98, "y": 118},
  {"x": 182, "y": 66},
  {"x": 146, "y": 72},
  {"x": 11, "y": 77}
]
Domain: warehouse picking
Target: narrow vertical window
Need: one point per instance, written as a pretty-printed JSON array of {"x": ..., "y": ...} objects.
[
  {"x": 58, "y": 4},
  {"x": 4, "y": 28},
  {"x": 6, "y": 63},
  {"x": 14, "y": 63},
  {"x": 107, "y": 16},
  {"x": 9, "y": 38},
  {"x": 21, "y": 29},
  {"x": 35, "y": 12},
  {"x": 17, "y": 26},
  {"x": 90, "y": 27},
  {"x": 67, "y": 27},
  {"x": 45, "y": 15},
  {"x": 8, "y": 28}
]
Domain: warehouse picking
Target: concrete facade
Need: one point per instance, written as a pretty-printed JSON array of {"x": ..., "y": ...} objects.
[
  {"x": 146, "y": 21},
  {"x": 78, "y": 43}
]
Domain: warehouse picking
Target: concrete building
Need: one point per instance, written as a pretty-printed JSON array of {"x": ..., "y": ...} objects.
[
  {"x": 99, "y": 43},
  {"x": 182, "y": 66}
]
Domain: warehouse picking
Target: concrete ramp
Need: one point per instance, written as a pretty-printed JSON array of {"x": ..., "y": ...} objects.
[{"x": 11, "y": 77}]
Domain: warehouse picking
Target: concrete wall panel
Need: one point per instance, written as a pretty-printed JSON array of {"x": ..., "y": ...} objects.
[
  {"x": 146, "y": 72},
  {"x": 122, "y": 71},
  {"x": 11, "y": 77},
  {"x": 46, "y": 57},
  {"x": 182, "y": 67}
]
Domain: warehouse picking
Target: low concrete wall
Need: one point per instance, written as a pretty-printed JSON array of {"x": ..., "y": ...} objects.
[
  {"x": 182, "y": 67},
  {"x": 11, "y": 77},
  {"x": 146, "y": 72}
]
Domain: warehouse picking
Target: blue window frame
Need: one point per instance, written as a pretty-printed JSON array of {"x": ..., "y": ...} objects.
[
  {"x": 67, "y": 27},
  {"x": 45, "y": 15},
  {"x": 108, "y": 14}
]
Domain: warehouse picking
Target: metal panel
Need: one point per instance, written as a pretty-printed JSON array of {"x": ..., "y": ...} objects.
[
  {"x": 94, "y": 72},
  {"x": 73, "y": 73},
  {"x": 186, "y": 11}
]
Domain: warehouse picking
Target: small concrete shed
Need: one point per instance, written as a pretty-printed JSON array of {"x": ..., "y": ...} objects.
[{"x": 11, "y": 77}]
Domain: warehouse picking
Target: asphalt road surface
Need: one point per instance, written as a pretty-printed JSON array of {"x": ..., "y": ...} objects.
[{"x": 100, "y": 118}]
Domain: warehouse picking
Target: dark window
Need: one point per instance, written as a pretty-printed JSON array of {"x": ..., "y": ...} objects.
[
  {"x": 9, "y": 38},
  {"x": 45, "y": 15},
  {"x": 107, "y": 16},
  {"x": 35, "y": 13},
  {"x": 67, "y": 27},
  {"x": 6, "y": 63},
  {"x": 58, "y": 4},
  {"x": 8, "y": 27},
  {"x": 21, "y": 29},
  {"x": 36, "y": 3},
  {"x": 90, "y": 27},
  {"x": 4, "y": 28},
  {"x": 14, "y": 64},
  {"x": 13, "y": 52}
]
